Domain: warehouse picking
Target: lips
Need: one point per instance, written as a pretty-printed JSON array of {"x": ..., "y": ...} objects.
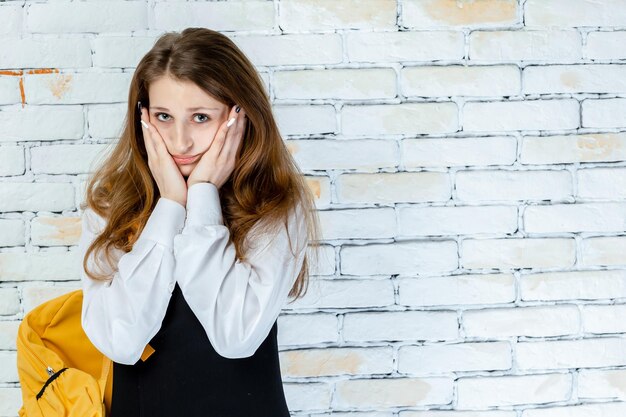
[{"x": 185, "y": 161}]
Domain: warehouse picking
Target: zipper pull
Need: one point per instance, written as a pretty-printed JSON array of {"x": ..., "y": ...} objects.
[{"x": 50, "y": 370}]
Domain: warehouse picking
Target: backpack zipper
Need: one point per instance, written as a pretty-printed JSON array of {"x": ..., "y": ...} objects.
[{"x": 49, "y": 370}]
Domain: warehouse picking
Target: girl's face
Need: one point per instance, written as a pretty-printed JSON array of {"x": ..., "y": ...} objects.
[{"x": 186, "y": 117}]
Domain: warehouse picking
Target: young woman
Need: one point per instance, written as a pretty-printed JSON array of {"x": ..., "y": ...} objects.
[{"x": 194, "y": 235}]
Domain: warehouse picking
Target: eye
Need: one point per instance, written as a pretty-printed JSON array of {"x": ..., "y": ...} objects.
[
  {"x": 202, "y": 115},
  {"x": 158, "y": 114}
]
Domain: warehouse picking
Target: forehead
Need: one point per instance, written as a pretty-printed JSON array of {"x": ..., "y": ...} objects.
[{"x": 170, "y": 93}]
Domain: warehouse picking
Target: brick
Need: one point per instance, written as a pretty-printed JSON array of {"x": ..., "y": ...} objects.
[
  {"x": 306, "y": 119},
  {"x": 484, "y": 392},
  {"x": 36, "y": 295},
  {"x": 422, "y": 46},
  {"x": 9, "y": 301},
  {"x": 604, "y": 113},
  {"x": 575, "y": 13},
  {"x": 605, "y": 183},
  {"x": 12, "y": 160},
  {"x": 584, "y": 410},
  {"x": 521, "y": 115},
  {"x": 87, "y": 16},
  {"x": 12, "y": 232},
  {"x": 10, "y": 401},
  {"x": 325, "y": 262},
  {"x": 292, "y": 49},
  {"x": 457, "y": 80},
  {"x": 320, "y": 188},
  {"x": 330, "y": 361},
  {"x": 573, "y": 285},
  {"x": 38, "y": 266},
  {"x": 344, "y": 83},
  {"x": 453, "y": 413},
  {"x": 65, "y": 159},
  {"x": 455, "y": 290},
  {"x": 219, "y": 16},
  {"x": 601, "y": 319},
  {"x": 55, "y": 231},
  {"x": 458, "y": 357},
  {"x": 319, "y": 15},
  {"x": 597, "y": 147},
  {"x": 398, "y": 119},
  {"x": 8, "y": 367},
  {"x": 358, "y": 223},
  {"x": 106, "y": 121},
  {"x": 423, "y": 257},
  {"x": 574, "y": 79},
  {"x": 606, "y": 45},
  {"x": 366, "y": 154},
  {"x": 562, "y": 354},
  {"x": 540, "y": 321},
  {"x": 8, "y": 334},
  {"x": 69, "y": 51},
  {"x": 115, "y": 51},
  {"x": 306, "y": 329},
  {"x": 607, "y": 250},
  {"x": 604, "y": 383},
  {"x": 525, "y": 45},
  {"x": 400, "y": 325},
  {"x": 42, "y": 123},
  {"x": 394, "y": 187},
  {"x": 447, "y": 152},
  {"x": 9, "y": 89},
  {"x": 20, "y": 196},
  {"x": 518, "y": 253},
  {"x": 309, "y": 396},
  {"x": 452, "y": 220},
  {"x": 488, "y": 185},
  {"x": 392, "y": 392},
  {"x": 451, "y": 13},
  {"x": 346, "y": 293},
  {"x": 11, "y": 16},
  {"x": 77, "y": 88},
  {"x": 574, "y": 218}
]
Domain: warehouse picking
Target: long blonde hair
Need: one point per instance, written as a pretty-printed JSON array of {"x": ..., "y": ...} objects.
[{"x": 265, "y": 184}]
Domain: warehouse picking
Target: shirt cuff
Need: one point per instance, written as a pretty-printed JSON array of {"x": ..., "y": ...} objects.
[
  {"x": 203, "y": 204},
  {"x": 166, "y": 220}
]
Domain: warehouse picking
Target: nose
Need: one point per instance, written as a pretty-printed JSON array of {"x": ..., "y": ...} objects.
[{"x": 182, "y": 142}]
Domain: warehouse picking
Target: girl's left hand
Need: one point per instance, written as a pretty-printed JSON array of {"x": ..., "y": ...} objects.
[{"x": 218, "y": 162}]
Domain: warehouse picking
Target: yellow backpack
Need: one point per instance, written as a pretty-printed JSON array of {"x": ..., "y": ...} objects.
[{"x": 61, "y": 372}]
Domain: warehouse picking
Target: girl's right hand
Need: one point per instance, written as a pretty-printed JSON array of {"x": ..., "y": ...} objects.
[{"x": 164, "y": 169}]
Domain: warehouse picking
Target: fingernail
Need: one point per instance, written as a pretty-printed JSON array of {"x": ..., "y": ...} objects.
[
  {"x": 230, "y": 122},
  {"x": 237, "y": 109},
  {"x": 144, "y": 124}
]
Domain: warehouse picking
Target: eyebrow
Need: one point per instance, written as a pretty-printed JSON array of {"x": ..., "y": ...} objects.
[{"x": 189, "y": 109}]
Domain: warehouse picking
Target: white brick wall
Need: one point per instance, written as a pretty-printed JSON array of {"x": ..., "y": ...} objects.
[{"x": 469, "y": 163}]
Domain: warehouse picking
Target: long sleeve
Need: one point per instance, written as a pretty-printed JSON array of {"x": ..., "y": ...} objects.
[
  {"x": 236, "y": 302},
  {"x": 120, "y": 316}
]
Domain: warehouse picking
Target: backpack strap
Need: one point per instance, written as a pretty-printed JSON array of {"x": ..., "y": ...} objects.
[{"x": 106, "y": 368}]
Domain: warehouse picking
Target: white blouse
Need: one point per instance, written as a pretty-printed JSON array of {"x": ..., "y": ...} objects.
[{"x": 236, "y": 302}]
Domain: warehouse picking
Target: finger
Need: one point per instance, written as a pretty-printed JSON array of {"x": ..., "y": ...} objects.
[
  {"x": 158, "y": 144},
  {"x": 230, "y": 139},
  {"x": 147, "y": 136},
  {"x": 220, "y": 137},
  {"x": 234, "y": 142}
]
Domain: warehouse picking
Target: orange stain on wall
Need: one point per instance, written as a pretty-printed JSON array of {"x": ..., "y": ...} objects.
[{"x": 20, "y": 73}]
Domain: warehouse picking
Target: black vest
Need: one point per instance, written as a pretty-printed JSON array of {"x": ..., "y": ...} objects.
[{"x": 185, "y": 376}]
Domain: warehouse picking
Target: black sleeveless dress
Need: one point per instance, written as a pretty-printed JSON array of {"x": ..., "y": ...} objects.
[{"x": 186, "y": 377}]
